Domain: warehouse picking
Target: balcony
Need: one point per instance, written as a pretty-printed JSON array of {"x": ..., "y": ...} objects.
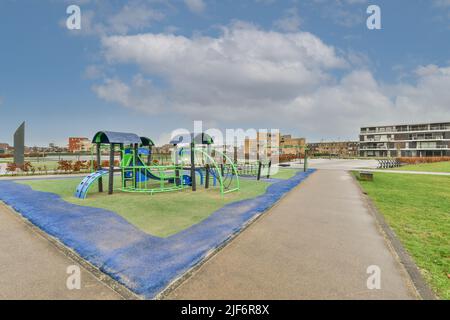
[{"x": 402, "y": 129}]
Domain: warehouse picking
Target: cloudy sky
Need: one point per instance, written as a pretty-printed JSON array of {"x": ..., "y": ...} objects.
[{"x": 308, "y": 67}]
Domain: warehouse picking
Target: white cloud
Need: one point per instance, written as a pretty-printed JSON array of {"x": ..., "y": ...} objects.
[
  {"x": 290, "y": 22},
  {"x": 358, "y": 100},
  {"x": 344, "y": 13},
  {"x": 251, "y": 76},
  {"x": 133, "y": 17},
  {"x": 196, "y": 6},
  {"x": 245, "y": 67},
  {"x": 140, "y": 95},
  {"x": 93, "y": 72}
]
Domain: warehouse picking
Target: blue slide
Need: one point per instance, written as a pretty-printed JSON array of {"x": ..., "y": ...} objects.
[
  {"x": 87, "y": 182},
  {"x": 144, "y": 174}
]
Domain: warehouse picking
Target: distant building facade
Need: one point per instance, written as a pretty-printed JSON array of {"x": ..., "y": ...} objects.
[
  {"x": 342, "y": 149},
  {"x": 292, "y": 146},
  {"x": 165, "y": 149},
  {"x": 77, "y": 144},
  {"x": 266, "y": 143},
  {"x": 406, "y": 140},
  {"x": 5, "y": 148}
]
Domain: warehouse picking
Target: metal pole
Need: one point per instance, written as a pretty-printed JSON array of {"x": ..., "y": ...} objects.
[
  {"x": 121, "y": 160},
  {"x": 99, "y": 167},
  {"x": 135, "y": 170},
  {"x": 194, "y": 182},
  {"x": 207, "y": 177},
  {"x": 259, "y": 170},
  {"x": 305, "y": 165},
  {"x": 111, "y": 170},
  {"x": 149, "y": 159}
]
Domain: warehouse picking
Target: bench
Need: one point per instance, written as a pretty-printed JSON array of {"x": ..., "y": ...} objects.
[{"x": 366, "y": 176}]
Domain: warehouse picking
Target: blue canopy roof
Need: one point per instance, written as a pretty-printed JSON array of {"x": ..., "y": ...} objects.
[
  {"x": 109, "y": 137},
  {"x": 201, "y": 138},
  {"x": 147, "y": 142}
]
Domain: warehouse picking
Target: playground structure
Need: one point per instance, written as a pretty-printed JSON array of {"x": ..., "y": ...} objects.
[
  {"x": 261, "y": 168},
  {"x": 209, "y": 163},
  {"x": 192, "y": 157},
  {"x": 256, "y": 169}
]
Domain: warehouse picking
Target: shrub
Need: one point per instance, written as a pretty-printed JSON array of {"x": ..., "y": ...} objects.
[
  {"x": 77, "y": 166},
  {"x": 64, "y": 165},
  {"x": 11, "y": 167},
  {"x": 105, "y": 163},
  {"x": 418, "y": 160}
]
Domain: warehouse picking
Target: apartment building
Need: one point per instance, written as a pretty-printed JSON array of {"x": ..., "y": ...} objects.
[
  {"x": 77, "y": 144},
  {"x": 406, "y": 140},
  {"x": 274, "y": 143},
  {"x": 266, "y": 143},
  {"x": 292, "y": 146}
]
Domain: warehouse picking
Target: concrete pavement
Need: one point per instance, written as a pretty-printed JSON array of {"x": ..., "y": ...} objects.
[
  {"x": 33, "y": 268},
  {"x": 342, "y": 164},
  {"x": 315, "y": 244}
]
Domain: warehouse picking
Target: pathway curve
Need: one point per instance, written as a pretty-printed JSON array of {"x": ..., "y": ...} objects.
[
  {"x": 315, "y": 244},
  {"x": 32, "y": 268}
]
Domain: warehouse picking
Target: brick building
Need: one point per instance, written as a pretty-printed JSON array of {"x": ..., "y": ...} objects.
[{"x": 77, "y": 144}]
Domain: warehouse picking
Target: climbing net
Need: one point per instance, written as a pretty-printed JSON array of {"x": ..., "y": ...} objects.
[{"x": 217, "y": 164}]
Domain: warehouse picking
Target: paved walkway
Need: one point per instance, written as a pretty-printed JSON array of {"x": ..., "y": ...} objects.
[
  {"x": 342, "y": 164},
  {"x": 32, "y": 268},
  {"x": 315, "y": 244}
]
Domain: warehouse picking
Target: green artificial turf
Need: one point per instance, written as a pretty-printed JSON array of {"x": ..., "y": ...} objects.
[
  {"x": 162, "y": 214},
  {"x": 284, "y": 173},
  {"x": 418, "y": 210},
  {"x": 427, "y": 167}
]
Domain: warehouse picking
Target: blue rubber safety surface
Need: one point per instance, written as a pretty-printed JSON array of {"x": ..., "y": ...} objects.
[{"x": 144, "y": 263}]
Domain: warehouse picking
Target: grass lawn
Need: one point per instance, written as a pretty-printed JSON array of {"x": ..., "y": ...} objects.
[
  {"x": 160, "y": 215},
  {"x": 284, "y": 173},
  {"x": 427, "y": 167},
  {"x": 418, "y": 209}
]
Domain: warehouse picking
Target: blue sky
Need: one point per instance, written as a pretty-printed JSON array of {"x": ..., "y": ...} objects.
[{"x": 311, "y": 67}]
